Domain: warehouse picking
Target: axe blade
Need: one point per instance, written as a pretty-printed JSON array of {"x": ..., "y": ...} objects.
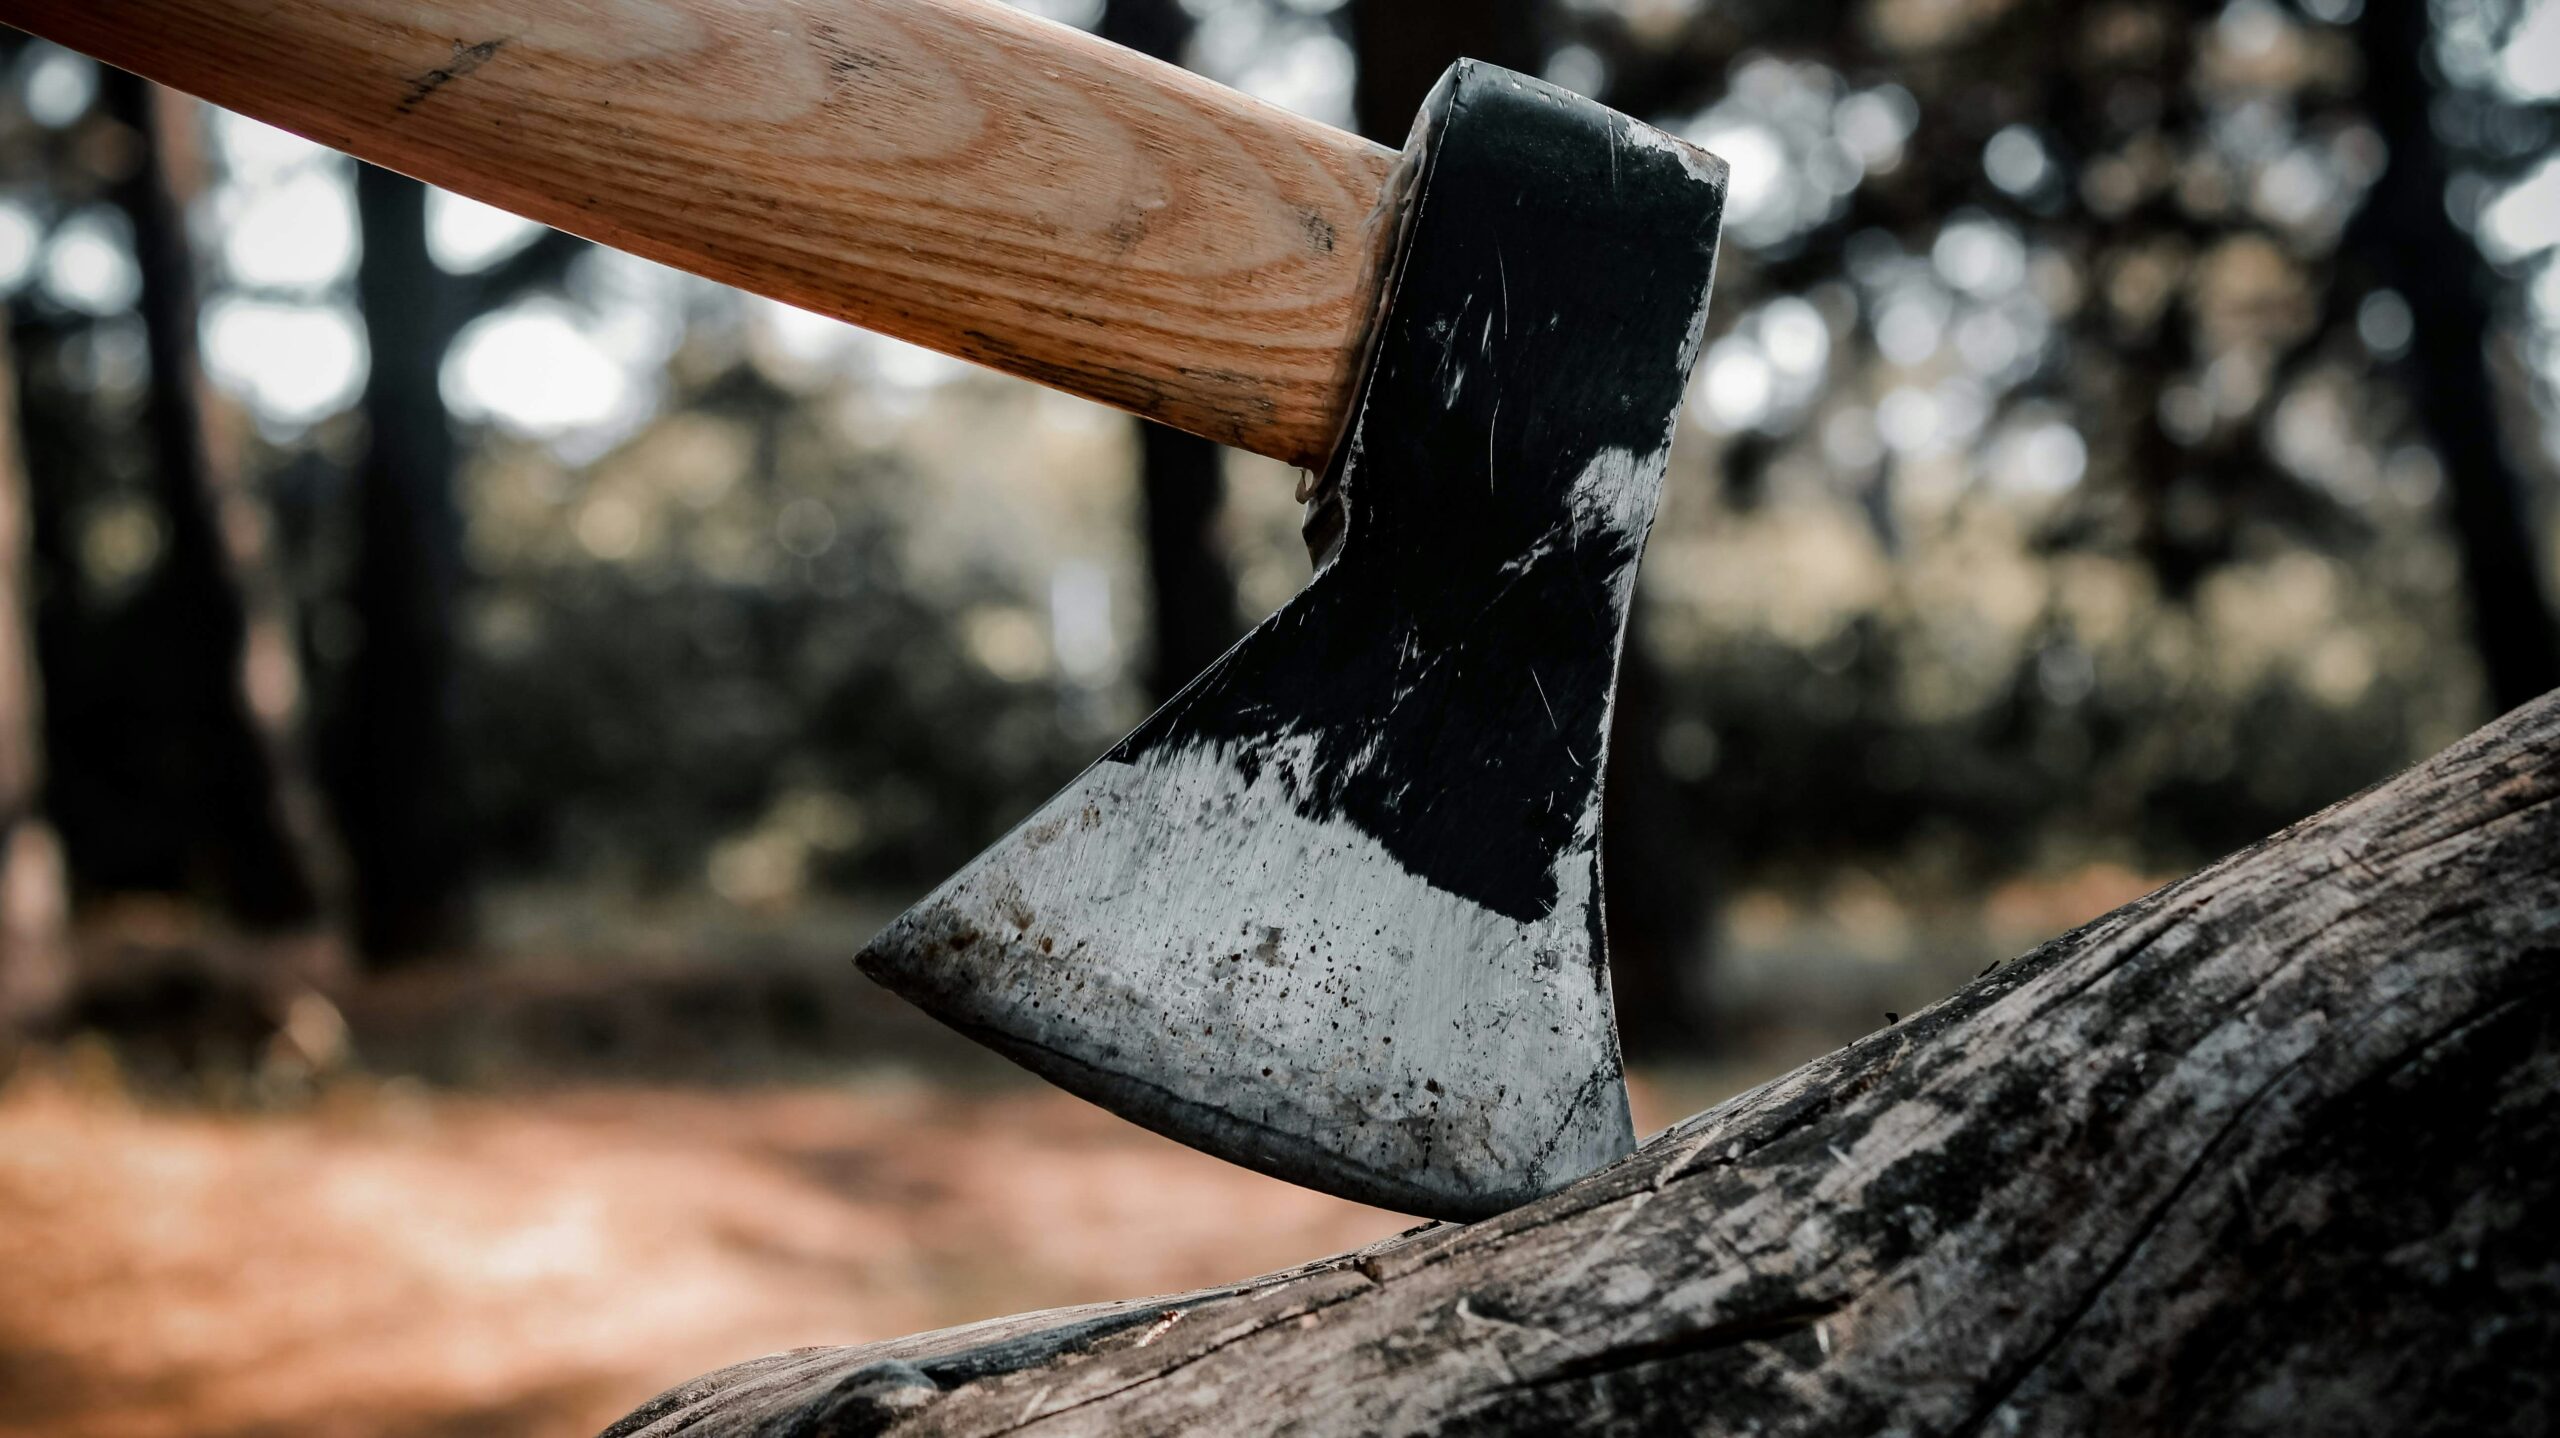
[{"x": 1333, "y": 912}]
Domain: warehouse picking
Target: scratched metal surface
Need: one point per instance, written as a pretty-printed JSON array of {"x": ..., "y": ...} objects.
[{"x": 1334, "y": 912}]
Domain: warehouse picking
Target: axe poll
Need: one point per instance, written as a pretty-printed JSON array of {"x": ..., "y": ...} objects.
[{"x": 1334, "y": 911}]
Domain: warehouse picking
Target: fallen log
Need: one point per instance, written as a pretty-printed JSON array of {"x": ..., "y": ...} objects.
[{"x": 2274, "y": 1150}]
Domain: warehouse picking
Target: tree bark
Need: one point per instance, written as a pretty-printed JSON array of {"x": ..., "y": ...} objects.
[{"x": 2274, "y": 1150}]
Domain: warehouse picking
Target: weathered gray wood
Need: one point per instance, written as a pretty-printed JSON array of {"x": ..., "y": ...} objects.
[{"x": 2274, "y": 1150}]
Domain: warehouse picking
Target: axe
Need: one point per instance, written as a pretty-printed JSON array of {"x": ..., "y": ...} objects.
[{"x": 1334, "y": 911}]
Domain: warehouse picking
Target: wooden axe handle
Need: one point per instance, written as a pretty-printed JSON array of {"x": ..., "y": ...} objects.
[{"x": 952, "y": 172}]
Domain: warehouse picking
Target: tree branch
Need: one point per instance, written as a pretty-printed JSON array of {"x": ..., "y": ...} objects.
[{"x": 542, "y": 263}]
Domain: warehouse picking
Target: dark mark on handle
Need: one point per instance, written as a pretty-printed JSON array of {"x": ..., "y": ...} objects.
[{"x": 466, "y": 58}]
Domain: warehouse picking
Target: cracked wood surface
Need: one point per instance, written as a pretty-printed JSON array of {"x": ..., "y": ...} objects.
[
  {"x": 956, "y": 173},
  {"x": 2273, "y": 1150}
]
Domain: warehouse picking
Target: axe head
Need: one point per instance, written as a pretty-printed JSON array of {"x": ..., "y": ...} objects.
[{"x": 1334, "y": 911}]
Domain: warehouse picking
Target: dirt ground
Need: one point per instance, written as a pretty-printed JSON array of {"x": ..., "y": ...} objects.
[
  {"x": 401, "y": 1261},
  {"x": 531, "y": 1197},
  {"x": 397, "y": 1261}
]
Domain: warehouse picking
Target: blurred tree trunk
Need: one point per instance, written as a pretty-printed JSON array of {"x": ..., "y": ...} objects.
[
  {"x": 35, "y": 963},
  {"x": 221, "y": 602},
  {"x": 394, "y": 772},
  {"x": 1654, "y": 875},
  {"x": 392, "y": 749},
  {"x": 1191, "y": 595},
  {"x": 2410, "y": 240}
]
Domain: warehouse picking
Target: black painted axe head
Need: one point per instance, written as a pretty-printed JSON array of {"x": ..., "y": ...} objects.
[{"x": 1334, "y": 911}]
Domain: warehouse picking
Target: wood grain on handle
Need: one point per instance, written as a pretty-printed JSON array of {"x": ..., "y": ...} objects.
[{"x": 952, "y": 172}]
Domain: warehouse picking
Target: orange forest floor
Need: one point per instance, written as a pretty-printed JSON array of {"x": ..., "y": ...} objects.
[
  {"x": 606, "y": 1179},
  {"x": 403, "y": 1262},
  {"x": 409, "y": 1263}
]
